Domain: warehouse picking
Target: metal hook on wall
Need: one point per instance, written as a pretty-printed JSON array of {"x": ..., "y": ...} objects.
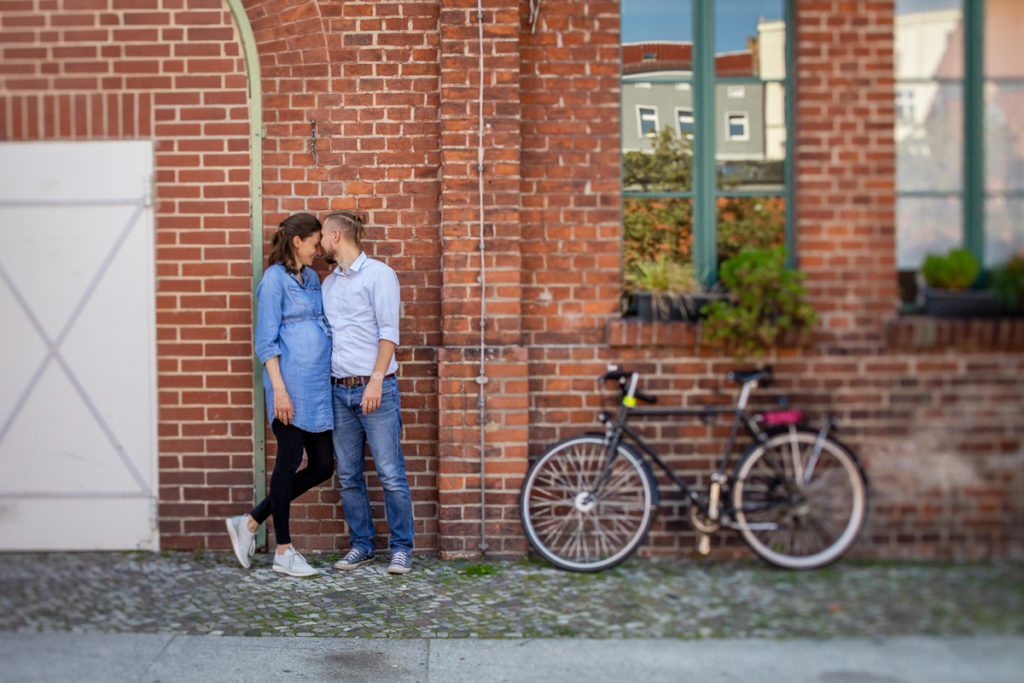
[{"x": 312, "y": 142}]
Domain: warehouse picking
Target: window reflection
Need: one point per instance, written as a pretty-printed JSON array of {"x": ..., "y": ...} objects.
[
  {"x": 660, "y": 118},
  {"x": 750, "y": 222},
  {"x": 657, "y": 91},
  {"x": 655, "y": 229},
  {"x": 750, "y": 39},
  {"x": 1004, "y": 229},
  {"x": 929, "y": 150},
  {"x": 929, "y": 128},
  {"x": 933, "y": 152},
  {"x": 1004, "y": 131},
  {"x": 927, "y": 225}
]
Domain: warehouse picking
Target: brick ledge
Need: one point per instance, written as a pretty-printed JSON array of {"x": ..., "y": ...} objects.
[
  {"x": 633, "y": 332},
  {"x": 924, "y": 333}
]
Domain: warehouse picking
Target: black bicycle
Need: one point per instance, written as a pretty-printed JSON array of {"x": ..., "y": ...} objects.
[{"x": 797, "y": 496}]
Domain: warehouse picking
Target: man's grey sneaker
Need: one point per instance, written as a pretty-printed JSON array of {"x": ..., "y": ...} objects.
[
  {"x": 401, "y": 562},
  {"x": 290, "y": 562},
  {"x": 356, "y": 557},
  {"x": 243, "y": 541}
]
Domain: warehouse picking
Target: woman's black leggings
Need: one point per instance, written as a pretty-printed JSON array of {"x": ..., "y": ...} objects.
[{"x": 286, "y": 483}]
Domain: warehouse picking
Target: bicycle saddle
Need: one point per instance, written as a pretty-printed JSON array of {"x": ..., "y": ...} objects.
[{"x": 742, "y": 377}]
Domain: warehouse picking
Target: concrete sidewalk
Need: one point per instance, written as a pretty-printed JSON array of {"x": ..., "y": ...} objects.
[{"x": 54, "y": 656}]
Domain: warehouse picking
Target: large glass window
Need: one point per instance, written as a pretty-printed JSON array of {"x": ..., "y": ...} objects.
[
  {"x": 712, "y": 76},
  {"x": 1002, "y": 125},
  {"x": 959, "y": 129}
]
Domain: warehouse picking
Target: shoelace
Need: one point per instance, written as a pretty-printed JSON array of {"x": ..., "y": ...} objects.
[
  {"x": 354, "y": 555},
  {"x": 400, "y": 558}
]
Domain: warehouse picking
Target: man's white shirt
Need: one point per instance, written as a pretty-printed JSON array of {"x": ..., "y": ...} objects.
[{"x": 362, "y": 306}]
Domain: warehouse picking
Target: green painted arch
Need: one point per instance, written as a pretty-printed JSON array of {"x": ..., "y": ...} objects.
[{"x": 255, "y": 90}]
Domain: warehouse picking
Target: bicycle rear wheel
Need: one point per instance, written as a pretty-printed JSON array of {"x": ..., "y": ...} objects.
[
  {"x": 578, "y": 520},
  {"x": 800, "y": 502}
]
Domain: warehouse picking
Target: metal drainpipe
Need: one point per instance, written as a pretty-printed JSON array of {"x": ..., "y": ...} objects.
[
  {"x": 481, "y": 379},
  {"x": 252, "y": 70}
]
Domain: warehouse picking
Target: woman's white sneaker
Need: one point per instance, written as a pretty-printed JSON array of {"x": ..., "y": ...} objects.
[
  {"x": 292, "y": 563},
  {"x": 243, "y": 541}
]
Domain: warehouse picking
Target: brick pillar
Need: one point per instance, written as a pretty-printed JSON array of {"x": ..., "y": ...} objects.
[
  {"x": 845, "y": 167},
  {"x": 505, "y": 389}
]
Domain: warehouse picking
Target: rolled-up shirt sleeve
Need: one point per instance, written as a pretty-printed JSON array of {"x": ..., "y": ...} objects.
[
  {"x": 386, "y": 305},
  {"x": 267, "y": 336}
]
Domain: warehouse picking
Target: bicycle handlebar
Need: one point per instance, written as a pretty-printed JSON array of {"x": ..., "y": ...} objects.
[{"x": 627, "y": 383}]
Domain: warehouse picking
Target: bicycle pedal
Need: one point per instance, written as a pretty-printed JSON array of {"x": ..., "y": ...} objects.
[{"x": 704, "y": 545}]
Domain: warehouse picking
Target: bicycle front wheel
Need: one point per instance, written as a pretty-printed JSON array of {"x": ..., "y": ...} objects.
[
  {"x": 578, "y": 519},
  {"x": 800, "y": 501}
]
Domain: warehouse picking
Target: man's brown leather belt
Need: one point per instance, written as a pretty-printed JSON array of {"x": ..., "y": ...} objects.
[{"x": 356, "y": 381}]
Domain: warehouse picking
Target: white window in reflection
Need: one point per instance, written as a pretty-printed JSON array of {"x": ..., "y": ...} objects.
[
  {"x": 648, "y": 120},
  {"x": 737, "y": 126},
  {"x": 684, "y": 118},
  {"x": 905, "y": 105}
]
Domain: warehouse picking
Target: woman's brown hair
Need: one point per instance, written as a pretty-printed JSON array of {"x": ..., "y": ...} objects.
[{"x": 300, "y": 225}]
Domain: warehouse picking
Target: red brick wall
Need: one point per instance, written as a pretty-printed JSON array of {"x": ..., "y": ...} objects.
[
  {"x": 845, "y": 166},
  {"x": 394, "y": 88},
  {"x": 494, "y": 391},
  {"x": 172, "y": 72},
  {"x": 572, "y": 246}
]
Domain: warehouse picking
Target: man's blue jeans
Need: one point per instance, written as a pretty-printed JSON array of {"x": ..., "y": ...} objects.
[{"x": 382, "y": 430}]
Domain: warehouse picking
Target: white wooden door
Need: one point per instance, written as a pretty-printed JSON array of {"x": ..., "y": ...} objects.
[{"x": 78, "y": 399}]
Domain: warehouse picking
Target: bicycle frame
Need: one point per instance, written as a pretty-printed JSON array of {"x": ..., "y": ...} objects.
[{"x": 618, "y": 428}]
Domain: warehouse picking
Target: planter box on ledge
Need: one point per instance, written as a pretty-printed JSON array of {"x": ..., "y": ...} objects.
[{"x": 965, "y": 303}]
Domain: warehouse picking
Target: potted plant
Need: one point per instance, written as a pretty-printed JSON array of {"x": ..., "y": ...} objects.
[
  {"x": 948, "y": 292},
  {"x": 766, "y": 304},
  {"x": 661, "y": 289},
  {"x": 1008, "y": 284}
]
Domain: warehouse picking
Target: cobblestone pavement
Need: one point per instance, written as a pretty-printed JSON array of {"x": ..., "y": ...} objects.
[{"x": 183, "y": 593}]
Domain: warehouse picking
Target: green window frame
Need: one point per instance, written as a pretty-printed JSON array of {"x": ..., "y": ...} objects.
[{"x": 705, "y": 192}]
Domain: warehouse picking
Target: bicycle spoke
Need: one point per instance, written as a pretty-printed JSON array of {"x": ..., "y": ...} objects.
[
  {"x": 541, "y": 506},
  {"x": 618, "y": 481},
  {"x": 556, "y": 525},
  {"x": 624, "y": 504}
]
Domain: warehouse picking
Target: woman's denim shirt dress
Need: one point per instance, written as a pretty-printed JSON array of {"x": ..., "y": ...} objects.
[{"x": 290, "y": 323}]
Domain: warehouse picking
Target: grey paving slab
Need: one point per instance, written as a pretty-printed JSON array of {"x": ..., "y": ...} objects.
[
  {"x": 204, "y": 658},
  {"x": 890, "y": 660},
  {"x": 63, "y": 656}
]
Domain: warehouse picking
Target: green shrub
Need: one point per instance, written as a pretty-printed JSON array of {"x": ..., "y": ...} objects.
[
  {"x": 766, "y": 302},
  {"x": 1008, "y": 282},
  {"x": 956, "y": 270},
  {"x": 660, "y": 275}
]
